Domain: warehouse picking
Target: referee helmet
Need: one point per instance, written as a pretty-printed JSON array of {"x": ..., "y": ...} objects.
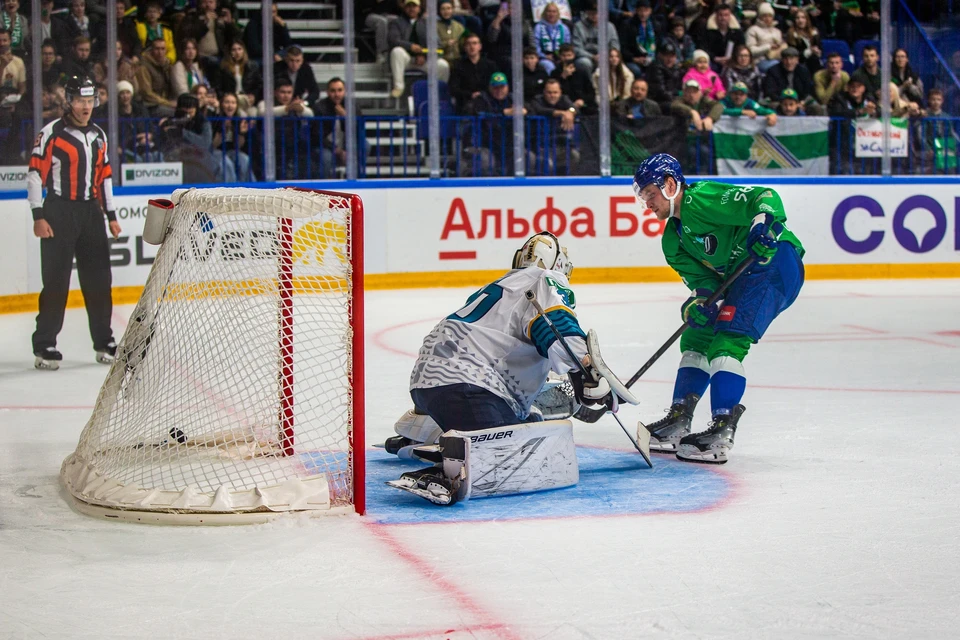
[{"x": 81, "y": 87}]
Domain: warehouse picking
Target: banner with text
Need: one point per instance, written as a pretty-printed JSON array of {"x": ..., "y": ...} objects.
[
  {"x": 13, "y": 178},
  {"x": 794, "y": 146},
  {"x": 468, "y": 229},
  {"x": 869, "y": 138},
  {"x": 158, "y": 173}
]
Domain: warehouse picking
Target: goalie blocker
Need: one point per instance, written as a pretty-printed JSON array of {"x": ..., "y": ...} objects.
[{"x": 520, "y": 458}]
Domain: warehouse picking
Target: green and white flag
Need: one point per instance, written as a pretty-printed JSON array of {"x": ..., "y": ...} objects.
[{"x": 797, "y": 146}]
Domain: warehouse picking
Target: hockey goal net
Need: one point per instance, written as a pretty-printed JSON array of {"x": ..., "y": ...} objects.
[{"x": 237, "y": 392}]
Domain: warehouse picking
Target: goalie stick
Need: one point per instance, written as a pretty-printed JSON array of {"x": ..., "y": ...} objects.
[
  {"x": 532, "y": 297},
  {"x": 586, "y": 414}
]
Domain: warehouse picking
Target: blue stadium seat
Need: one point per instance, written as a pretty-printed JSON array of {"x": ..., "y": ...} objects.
[
  {"x": 838, "y": 46},
  {"x": 858, "y": 48},
  {"x": 418, "y": 94}
]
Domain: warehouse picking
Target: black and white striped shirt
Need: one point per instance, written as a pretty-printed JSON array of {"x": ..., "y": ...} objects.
[{"x": 72, "y": 163}]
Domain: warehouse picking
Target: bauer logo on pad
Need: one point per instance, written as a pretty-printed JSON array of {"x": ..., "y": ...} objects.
[{"x": 726, "y": 314}]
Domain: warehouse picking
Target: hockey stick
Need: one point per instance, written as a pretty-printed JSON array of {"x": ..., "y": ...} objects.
[
  {"x": 586, "y": 414},
  {"x": 532, "y": 297}
]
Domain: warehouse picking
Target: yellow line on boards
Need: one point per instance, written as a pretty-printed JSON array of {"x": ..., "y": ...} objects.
[{"x": 27, "y": 302}]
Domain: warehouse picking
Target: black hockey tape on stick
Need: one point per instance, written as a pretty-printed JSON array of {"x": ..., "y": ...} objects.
[
  {"x": 532, "y": 297},
  {"x": 586, "y": 414}
]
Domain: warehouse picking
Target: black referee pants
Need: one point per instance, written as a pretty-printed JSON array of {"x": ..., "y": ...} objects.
[{"x": 78, "y": 230}]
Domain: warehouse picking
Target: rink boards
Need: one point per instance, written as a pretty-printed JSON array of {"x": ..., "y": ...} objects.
[{"x": 454, "y": 232}]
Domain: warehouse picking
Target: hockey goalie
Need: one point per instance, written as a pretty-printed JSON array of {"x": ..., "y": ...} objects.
[{"x": 484, "y": 413}]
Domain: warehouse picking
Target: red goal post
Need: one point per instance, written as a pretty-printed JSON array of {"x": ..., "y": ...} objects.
[{"x": 237, "y": 393}]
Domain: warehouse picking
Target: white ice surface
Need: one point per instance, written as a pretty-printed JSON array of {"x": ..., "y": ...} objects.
[{"x": 845, "y": 520}]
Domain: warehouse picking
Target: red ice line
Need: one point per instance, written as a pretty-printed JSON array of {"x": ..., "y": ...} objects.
[
  {"x": 487, "y": 621},
  {"x": 379, "y": 339}
]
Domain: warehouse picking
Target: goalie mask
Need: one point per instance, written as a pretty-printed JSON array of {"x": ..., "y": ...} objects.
[{"x": 544, "y": 251}]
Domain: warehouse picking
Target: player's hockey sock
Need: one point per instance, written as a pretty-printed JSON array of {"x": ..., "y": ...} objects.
[
  {"x": 727, "y": 384},
  {"x": 693, "y": 376}
]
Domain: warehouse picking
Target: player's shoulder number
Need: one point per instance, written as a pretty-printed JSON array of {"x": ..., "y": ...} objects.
[
  {"x": 478, "y": 304},
  {"x": 739, "y": 194}
]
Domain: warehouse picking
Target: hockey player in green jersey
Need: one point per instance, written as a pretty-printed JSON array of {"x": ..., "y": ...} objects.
[{"x": 711, "y": 228}]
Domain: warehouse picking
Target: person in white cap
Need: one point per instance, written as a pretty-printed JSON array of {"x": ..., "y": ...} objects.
[
  {"x": 709, "y": 81},
  {"x": 699, "y": 111},
  {"x": 765, "y": 39},
  {"x": 136, "y": 144}
]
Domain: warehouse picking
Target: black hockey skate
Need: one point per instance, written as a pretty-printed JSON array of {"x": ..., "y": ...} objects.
[
  {"x": 713, "y": 445},
  {"x": 394, "y": 444},
  {"x": 667, "y": 432},
  {"x": 430, "y": 484},
  {"x": 107, "y": 354},
  {"x": 47, "y": 359}
]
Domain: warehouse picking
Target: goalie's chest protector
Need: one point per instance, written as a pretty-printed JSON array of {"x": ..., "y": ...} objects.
[{"x": 486, "y": 343}]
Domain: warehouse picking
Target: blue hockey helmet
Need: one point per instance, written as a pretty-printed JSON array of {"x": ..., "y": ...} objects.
[{"x": 655, "y": 169}]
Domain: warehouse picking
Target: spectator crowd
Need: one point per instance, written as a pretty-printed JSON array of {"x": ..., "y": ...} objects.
[
  {"x": 190, "y": 82},
  {"x": 190, "y": 85},
  {"x": 695, "y": 61}
]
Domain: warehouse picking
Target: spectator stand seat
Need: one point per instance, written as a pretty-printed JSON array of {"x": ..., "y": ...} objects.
[
  {"x": 419, "y": 108},
  {"x": 829, "y": 46}
]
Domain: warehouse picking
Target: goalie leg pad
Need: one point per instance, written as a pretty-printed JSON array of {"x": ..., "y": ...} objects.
[
  {"x": 413, "y": 429},
  {"x": 520, "y": 458},
  {"x": 418, "y": 427},
  {"x": 443, "y": 483}
]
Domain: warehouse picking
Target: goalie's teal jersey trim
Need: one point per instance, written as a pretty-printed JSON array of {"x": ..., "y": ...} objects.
[{"x": 543, "y": 337}]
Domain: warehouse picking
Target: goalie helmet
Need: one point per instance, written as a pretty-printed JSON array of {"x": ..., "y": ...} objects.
[{"x": 544, "y": 251}]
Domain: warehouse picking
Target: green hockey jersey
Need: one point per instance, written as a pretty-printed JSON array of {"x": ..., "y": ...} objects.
[{"x": 709, "y": 239}]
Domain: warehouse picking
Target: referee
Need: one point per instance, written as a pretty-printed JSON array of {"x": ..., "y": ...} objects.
[{"x": 70, "y": 161}]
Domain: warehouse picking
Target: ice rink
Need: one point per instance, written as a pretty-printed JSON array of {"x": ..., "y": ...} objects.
[{"x": 837, "y": 516}]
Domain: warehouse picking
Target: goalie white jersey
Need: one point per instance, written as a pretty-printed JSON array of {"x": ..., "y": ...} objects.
[{"x": 498, "y": 342}]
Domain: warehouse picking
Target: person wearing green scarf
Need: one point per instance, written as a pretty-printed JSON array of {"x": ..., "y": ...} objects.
[{"x": 17, "y": 25}]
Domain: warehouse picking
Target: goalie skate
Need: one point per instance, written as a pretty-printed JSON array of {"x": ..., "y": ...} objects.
[
  {"x": 713, "y": 445},
  {"x": 430, "y": 484}
]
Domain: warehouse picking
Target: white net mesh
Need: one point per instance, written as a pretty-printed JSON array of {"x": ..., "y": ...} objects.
[{"x": 232, "y": 386}]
